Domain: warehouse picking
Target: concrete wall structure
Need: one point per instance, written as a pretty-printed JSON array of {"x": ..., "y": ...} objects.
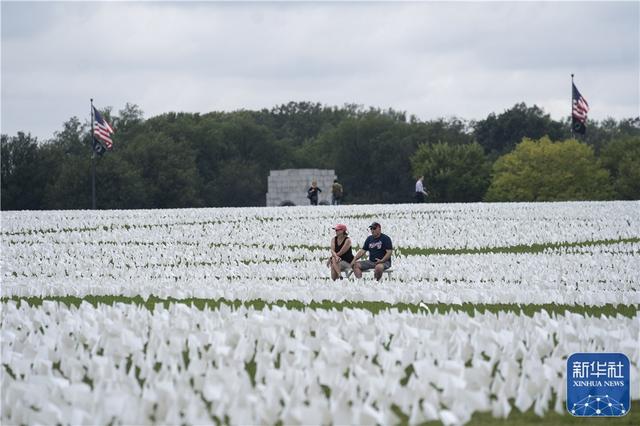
[{"x": 291, "y": 185}]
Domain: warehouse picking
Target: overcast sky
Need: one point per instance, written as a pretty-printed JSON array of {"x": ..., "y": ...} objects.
[{"x": 429, "y": 59}]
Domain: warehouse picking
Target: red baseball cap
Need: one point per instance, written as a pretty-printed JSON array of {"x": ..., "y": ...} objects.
[{"x": 340, "y": 227}]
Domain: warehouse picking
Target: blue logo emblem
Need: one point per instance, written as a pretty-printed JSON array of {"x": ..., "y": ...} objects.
[{"x": 598, "y": 385}]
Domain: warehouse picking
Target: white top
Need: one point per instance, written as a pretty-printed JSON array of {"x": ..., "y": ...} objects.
[{"x": 419, "y": 187}]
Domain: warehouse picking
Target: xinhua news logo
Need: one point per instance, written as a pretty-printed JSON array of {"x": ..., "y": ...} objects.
[{"x": 598, "y": 385}]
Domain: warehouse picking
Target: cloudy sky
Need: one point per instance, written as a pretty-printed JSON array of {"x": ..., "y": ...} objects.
[{"x": 430, "y": 59}]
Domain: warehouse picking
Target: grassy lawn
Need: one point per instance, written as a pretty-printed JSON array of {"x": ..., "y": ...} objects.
[
  {"x": 522, "y": 248},
  {"x": 552, "y": 418},
  {"x": 372, "y": 306}
]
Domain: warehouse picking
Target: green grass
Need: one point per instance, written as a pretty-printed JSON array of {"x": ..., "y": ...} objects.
[
  {"x": 375, "y": 307},
  {"x": 517, "y": 249},
  {"x": 517, "y": 418}
]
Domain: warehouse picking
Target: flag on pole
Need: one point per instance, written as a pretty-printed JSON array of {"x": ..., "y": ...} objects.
[
  {"x": 579, "y": 111},
  {"x": 102, "y": 132}
]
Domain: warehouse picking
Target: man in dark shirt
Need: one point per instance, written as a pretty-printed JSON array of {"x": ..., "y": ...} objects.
[{"x": 379, "y": 247}]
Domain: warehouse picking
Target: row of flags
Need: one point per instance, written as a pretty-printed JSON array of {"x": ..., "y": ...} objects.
[{"x": 102, "y": 131}]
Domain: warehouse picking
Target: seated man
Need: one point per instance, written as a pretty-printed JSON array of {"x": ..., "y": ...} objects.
[{"x": 379, "y": 247}]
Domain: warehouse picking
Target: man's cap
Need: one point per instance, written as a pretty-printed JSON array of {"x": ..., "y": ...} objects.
[
  {"x": 340, "y": 227},
  {"x": 374, "y": 225}
]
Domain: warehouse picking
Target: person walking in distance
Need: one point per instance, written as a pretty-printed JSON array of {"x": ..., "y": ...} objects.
[
  {"x": 312, "y": 193},
  {"x": 420, "y": 192},
  {"x": 336, "y": 193}
]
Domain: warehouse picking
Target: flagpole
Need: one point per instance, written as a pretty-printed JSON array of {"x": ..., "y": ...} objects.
[
  {"x": 573, "y": 136},
  {"x": 93, "y": 164}
]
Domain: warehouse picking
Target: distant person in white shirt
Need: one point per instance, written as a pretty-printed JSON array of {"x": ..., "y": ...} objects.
[{"x": 420, "y": 192}]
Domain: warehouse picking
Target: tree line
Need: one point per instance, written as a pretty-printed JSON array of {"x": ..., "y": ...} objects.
[{"x": 217, "y": 159}]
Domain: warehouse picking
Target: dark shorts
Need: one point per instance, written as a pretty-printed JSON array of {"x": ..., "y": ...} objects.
[{"x": 365, "y": 265}]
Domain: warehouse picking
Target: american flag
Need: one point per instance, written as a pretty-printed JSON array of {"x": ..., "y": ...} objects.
[
  {"x": 101, "y": 129},
  {"x": 579, "y": 111}
]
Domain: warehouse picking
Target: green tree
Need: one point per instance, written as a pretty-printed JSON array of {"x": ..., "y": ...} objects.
[
  {"x": 168, "y": 170},
  {"x": 498, "y": 134},
  {"x": 67, "y": 160},
  {"x": 452, "y": 131},
  {"x": 73, "y": 139},
  {"x": 23, "y": 178},
  {"x": 119, "y": 183},
  {"x": 453, "y": 173},
  {"x": 240, "y": 183},
  {"x": 236, "y": 160},
  {"x": 600, "y": 133},
  {"x": 182, "y": 159},
  {"x": 70, "y": 186},
  {"x": 127, "y": 124},
  {"x": 541, "y": 170},
  {"x": 131, "y": 115},
  {"x": 300, "y": 122},
  {"x": 370, "y": 155},
  {"x": 621, "y": 157}
]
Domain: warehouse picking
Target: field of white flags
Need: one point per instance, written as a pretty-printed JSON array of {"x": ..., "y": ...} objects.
[{"x": 229, "y": 316}]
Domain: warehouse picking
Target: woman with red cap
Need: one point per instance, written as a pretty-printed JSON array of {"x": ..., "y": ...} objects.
[{"x": 341, "y": 254}]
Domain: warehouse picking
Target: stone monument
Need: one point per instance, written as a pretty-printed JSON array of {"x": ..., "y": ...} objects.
[{"x": 289, "y": 187}]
